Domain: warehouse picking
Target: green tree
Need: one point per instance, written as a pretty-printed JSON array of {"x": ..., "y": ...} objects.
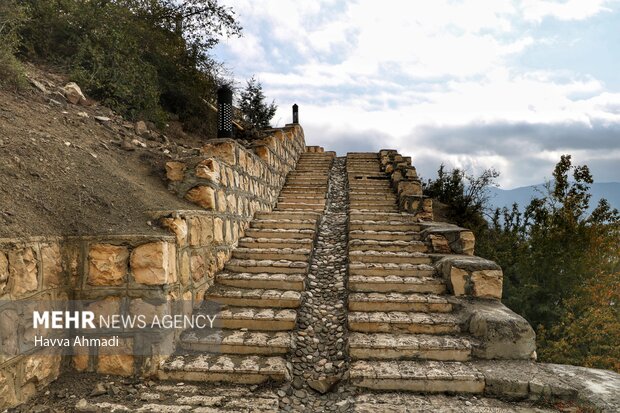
[
  {"x": 561, "y": 264},
  {"x": 465, "y": 195},
  {"x": 12, "y": 18},
  {"x": 256, "y": 112},
  {"x": 140, "y": 57},
  {"x": 561, "y": 267}
]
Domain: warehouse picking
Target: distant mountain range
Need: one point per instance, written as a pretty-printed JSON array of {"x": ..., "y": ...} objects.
[{"x": 500, "y": 198}]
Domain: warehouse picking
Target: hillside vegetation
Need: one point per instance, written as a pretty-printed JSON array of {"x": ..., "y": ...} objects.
[
  {"x": 561, "y": 262},
  {"x": 146, "y": 59}
]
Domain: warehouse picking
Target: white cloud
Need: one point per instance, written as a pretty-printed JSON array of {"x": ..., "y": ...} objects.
[
  {"x": 537, "y": 10},
  {"x": 392, "y": 68}
]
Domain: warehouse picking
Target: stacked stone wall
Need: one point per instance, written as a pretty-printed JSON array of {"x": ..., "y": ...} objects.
[
  {"x": 135, "y": 274},
  {"x": 465, "y": 276},
  {"x": 29, "y": 270}
]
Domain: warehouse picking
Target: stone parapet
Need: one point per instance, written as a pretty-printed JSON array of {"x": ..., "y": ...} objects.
[
  {"x": 230, "y": 178},
  {"x": 406, "y": 184}
]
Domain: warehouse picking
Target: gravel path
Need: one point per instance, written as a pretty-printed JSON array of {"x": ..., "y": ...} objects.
[{"x": 319, "y": 358}]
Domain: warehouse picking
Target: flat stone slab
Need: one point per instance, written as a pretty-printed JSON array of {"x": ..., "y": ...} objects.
[
  {"x": 262, "y": 280},
  {"x": 273, "y": 266},
  {"x": 409, "y": 346},
  {"x": 227, "y": 368},
  {"x": 379, "y": 245},
  {"x": 520, "y": 379},
  {"x": 410, "y": 403},
  {"x": 418, "y": 376},
  {"x": 284, "y": 223},
  {"x": 397, "y": 284},
  {"x": 265, "y": 319},
  {"x": 248, "y": 242},
  {"x": 279, "y": 233},
  {"x": 236, "y": 342},
  {"x": 405, "y": 322},
  {"x": 256, "y": 297},
  {"x": 403, "y": 257},
  {"x": 388, "y": 268},
  {"x": 395, "y": 301},
  {"x": 384, "y": 235}
]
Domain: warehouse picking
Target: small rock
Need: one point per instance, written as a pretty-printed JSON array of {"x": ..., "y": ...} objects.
[
  {"x": 73, "y": 94},
  {"x": 324, "y": 384},
  {"x": 39, "y": 86},
  {"x": 102, "y": 118},
  {"x": 82, "y": 114},
  {"x": 98, "y": 390},
  {"x": 298, "y": 383},
  {"x": 140, "y": 128},
  {"x": 136, "y": 142},
  {"x": 83, "y": 406}
]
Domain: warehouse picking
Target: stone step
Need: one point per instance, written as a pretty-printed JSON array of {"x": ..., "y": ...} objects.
[
  {"x": 248, "y": 242},
  {"x": 318, "y": 190},
  {"x": 393, "y": 246},
  {"x": 383, "y": 235},
  {"x": 403, "y": 322},
  {"x": 379, "y": 208},
  {"x": 283, "y": 224},
  {"x": 389, "y": 257},
  {"x": 307, "y": 185},
  {"x": 427, "y": 303},
  {"x": 371, "y": 203},
  {"x": 301, "y": 178},
  {"x": 385, "y": 346},
  {"x": 383, "y": 226},
  {"x": 255, "y": 318},
  {"x": 253, "y": 297},
  {"x": 392, "y": 283},
  {"x": 364, "y": 185},
  {"x": 312, "y": 167},
  {"x": 402, "y": 217},
  {"x": 387, "y": 269},
  {"x": 322, "y": 173},
  {"x": 291, "y": 254},
  {"x": 278, "y": 281},
  {"x": 268, "y": 266},
  {"x": 286, "y": 215},
  {"x": 236, "y": 342},
  {"x": 372, "y": 196},
  {"x": 304, "y": 207},
  {"x": 417, "y": 376},
  {"x": 310, "y": 191},
  {"x": 225, "y": 368},
  {"x": 366, "y": 173},
  {"x": 362, "y": 155},
  {"x": 279, "y": 233},
  {"x": 299, "y": 199}
]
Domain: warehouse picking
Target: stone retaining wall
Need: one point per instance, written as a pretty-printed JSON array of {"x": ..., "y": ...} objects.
[
  {"x": 465, "y": 276},
  {"x": 134, "y": 274},
  {"x": 406, "y": 183},
  {"x": 29, "y": 270}
]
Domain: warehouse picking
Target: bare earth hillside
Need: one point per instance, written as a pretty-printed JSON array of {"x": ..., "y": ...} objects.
[{"x": 65, "y": 172}]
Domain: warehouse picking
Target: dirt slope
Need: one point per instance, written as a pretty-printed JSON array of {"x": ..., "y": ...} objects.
[{"x": 63, "y": 172}]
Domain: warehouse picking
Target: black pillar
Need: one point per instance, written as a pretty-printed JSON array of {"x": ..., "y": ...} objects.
[
  {"x": 295, "y": 113},
  {"x": 224, "y": 114}
]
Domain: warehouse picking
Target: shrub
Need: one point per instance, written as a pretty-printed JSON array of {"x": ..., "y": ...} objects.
[
  {"x": 12, "y": 18},
  {"x": 138, "y": 57}
]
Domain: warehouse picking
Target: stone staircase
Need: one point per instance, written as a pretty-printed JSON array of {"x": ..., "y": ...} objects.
[
  {"x": 259, "y": 290},
  {"x": 405, "y": 330}
]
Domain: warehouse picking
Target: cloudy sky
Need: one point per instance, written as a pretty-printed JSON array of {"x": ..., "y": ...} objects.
[{"x": 474, "y": 84}]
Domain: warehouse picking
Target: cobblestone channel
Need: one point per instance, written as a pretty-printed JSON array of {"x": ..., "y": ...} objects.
[{"x": 319, "y": 357}]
